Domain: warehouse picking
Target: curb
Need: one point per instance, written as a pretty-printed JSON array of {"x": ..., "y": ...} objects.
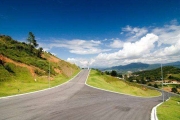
[
  {"x": 39, "y": 90},
  {"x": 154, "y": 111}
]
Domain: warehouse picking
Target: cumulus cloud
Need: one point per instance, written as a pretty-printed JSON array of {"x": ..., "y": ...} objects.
[
  {"x": 82, "y": 62},
  {"x": 159, "y": 46},
  {"x": 117, "y": 43},
  {"x": 132, "y": 50},
  {"x": 169, "y": 34}
]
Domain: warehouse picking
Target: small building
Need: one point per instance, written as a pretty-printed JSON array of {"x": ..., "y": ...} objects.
[{"x": 174, "y": 82}]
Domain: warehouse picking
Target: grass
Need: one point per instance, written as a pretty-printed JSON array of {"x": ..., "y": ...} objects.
[
  {"x": 96, "y": 79},
  {"x": 169, "y": 110},
  {"x": 24, "y": 82}
]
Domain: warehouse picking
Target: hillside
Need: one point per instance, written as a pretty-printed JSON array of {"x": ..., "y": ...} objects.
[
  {"x": 134, "y": 67},
  {"x": 171, "y": 78},
  {"x": 23, "y": 64},
  {"x": 155, "y": 74}
]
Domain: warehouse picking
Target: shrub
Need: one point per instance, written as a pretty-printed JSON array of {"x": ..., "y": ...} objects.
[
  {"x": 8, "y": 68},
  {"x": 155, "y": 85},
  {"x": 113, "y": 73},
  {"x": 149, "y": 84},
  {"x": 174, "y": 90}
]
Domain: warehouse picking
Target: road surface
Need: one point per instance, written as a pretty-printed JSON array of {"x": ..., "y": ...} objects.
[{"x": 76, "y": 101}]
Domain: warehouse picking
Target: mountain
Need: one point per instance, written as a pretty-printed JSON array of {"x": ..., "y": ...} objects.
[
  {"x": 175, "y": 64},
  {"x": 141, "y": 66},
  {"x": 131, "y": 66}
]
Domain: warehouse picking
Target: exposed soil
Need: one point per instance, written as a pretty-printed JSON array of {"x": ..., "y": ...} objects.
[
  {"x": 51, "y": 58},
  {"x": 30, "y": 68}
]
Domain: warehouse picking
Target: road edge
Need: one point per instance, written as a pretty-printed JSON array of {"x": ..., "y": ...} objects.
[
  {"x": 40, "y": 90},
  {"x": 154, "y": 111}
]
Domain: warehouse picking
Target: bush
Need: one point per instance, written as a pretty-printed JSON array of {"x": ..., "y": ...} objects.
[
  {"x": 8, "y": 68},
  {"x": 39, "y": 72},
  {"x": 149, "y": 84},
  {"x": 174, "y": 90},
  {"x": 2, "y": 62},
  {"x": 155, "y": 85},
  {"x": 113, "y": 73}
]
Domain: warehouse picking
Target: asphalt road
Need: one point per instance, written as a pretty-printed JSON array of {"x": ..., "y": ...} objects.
[{"x": 76, "y": 101}]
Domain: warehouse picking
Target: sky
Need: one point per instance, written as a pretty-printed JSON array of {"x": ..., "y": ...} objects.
[{"x": 97, "y": 33}]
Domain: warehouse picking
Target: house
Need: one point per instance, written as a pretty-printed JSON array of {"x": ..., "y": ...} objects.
[{"x": 174, "y": 82}]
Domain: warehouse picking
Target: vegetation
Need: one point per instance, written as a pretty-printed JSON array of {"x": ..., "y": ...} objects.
[
  {"x": 169, "y": 110},
  {"x": 31, "y": 40},
  {"x": 23, "y": 68},
  {"x": 113, "y": 73},
  {"x": 97, "y": 79},
  {"x": 169, "y": 72}
]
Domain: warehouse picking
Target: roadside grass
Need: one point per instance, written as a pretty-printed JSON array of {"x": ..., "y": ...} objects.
[
  {"x": 169, "y": 110},
  {"x": 23, "y": 82},
  {"x": 98, "y": 80}
]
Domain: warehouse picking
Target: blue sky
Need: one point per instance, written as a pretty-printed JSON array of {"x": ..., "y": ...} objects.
[{"x": 97, "y": 32}]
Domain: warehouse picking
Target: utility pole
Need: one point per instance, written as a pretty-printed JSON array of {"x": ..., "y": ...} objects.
[
  {"x": 162, "y": 83},
  {"x": 88, "y": 65},
  {"x": 49, "y": 75}
]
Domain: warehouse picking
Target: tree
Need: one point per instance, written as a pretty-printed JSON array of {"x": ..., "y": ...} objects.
[
  {"x": 149, "y": 84},
  {"x": 120, "y": 75},
  {"x": 31, "y": 40},
  {"x": 107, "y": 73},
  {"x": 39, "y": 52},
  {"x": 174, "y": 90},
  {"x": 155, "y": 85},
  {"x": 143, "y": 81},
  {"x": 113, "y": 73}
]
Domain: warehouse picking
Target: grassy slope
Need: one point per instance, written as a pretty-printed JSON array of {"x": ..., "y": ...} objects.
[
  {"x": 169, "y": 110},
  {"x": 110, "y": 83},
  {"x": 22, "y": 71},
  {"x": 24, "y": 84}
]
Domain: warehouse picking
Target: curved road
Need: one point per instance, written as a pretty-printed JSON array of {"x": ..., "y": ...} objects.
[{"x": 76, "y": 101}]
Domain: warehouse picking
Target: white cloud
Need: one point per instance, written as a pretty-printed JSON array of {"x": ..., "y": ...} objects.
[
  {"x": 169, "y": 34},
  {"x": 117, "y": 43},
  {"x": 132, "y": 50},
  {"x": 160, "y": 45},
  {"x": 82, "y": 62},
  {"x": 78, "y": 46},
  {"x": 136, "y": 31}
]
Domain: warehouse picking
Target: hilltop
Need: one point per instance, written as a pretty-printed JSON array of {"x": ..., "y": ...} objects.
[{"x": 24, "y": 64}]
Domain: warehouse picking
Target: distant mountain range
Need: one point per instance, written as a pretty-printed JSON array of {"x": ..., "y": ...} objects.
[{"x": 141, "y": 66}]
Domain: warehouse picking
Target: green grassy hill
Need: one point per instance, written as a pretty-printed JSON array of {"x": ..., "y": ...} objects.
[
  {"x": 100, "y": 80},
  {"x": 23, "y": 68}
]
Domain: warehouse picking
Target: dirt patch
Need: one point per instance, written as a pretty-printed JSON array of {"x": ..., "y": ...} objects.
[
  {"x": 57, "y": 71},
  {"x": 168, "y": 89},
  {"x": 30, "y": 68},
  {"x": 51, "y": 58}
]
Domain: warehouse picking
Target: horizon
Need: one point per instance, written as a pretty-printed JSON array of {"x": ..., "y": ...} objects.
[{"x": 98, "y": 33}]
